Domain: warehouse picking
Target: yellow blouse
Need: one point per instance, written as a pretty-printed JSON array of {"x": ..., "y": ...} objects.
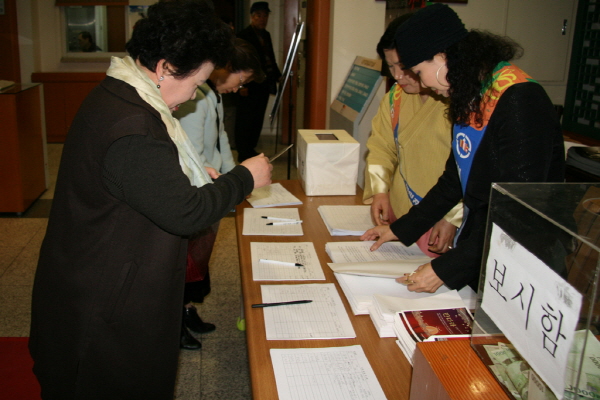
[{"x": 424, "y": 136}]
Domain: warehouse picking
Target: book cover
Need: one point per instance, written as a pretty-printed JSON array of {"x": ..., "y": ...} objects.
[{"x": 427, "y": 323}]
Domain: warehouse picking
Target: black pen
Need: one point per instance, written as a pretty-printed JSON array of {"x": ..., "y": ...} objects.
[{"x": 283, "y": 303}]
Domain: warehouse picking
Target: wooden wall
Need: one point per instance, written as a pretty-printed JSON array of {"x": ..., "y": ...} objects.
[
  {"x": 63, "y": 94},
  {"x": 10, "y": 68}
]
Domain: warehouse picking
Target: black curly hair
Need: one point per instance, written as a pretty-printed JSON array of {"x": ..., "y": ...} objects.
[
  {"x": 185, "y": 33},
  {"x": 471, "y": 62}
]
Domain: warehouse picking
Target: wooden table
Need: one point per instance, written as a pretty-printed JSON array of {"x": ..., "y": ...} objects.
[
  {"x": 391, "y": 367},
  {"x": 452, "y": 371}
]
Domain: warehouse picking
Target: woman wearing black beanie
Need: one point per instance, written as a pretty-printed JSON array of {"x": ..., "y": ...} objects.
[{"x": 505, "y": 130}]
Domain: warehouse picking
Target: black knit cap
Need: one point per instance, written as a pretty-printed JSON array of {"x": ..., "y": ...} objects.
[
  {"x": 260, "y": 5},
  {"x": 428, "y": 32}
]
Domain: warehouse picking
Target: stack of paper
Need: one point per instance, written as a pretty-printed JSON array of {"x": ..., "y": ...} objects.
[
  {"x": 381, "y": 269},
  {"x": 359, "y": 252},
  {"x": 346, "y": 220},
  {"x": 272, "y": 196},
  {"x": 416, "y": 326},
  {"x": 359, "y": 290},
  {"x": 384, "y": 308}
]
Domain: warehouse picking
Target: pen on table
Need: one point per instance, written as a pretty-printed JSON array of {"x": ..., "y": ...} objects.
[
  {"x": 285, "y": 222},
  {"x": 280, "y": 219},
  {"x": 283, "y": 303},
  {"x": 291, "y": 264}
]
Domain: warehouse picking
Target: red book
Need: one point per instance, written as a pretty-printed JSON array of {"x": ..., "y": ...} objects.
[{"x": 422, "y": 325}]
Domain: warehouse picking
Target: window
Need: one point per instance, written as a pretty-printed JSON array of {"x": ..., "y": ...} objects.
[{"x": 99, "y": 29}]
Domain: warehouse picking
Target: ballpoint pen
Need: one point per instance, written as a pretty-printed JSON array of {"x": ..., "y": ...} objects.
[
  {"x": 283, "y": 303},
  {"x": 290, "y": 264},
  {"x": 280, "y": 219},
  {"x": 271, "y": 159},
  {"x": 285, "y": 222}
]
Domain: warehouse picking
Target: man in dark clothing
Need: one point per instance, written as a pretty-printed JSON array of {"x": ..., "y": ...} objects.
[{"x": 253, "y": 98}]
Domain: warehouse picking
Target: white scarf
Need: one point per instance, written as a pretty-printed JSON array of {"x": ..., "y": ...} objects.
[{"x": 126, "y": 70}]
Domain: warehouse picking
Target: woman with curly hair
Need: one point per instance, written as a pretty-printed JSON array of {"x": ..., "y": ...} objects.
[
  {"x": 106, "y": 306},
  {"x": 505, "y": 130}
]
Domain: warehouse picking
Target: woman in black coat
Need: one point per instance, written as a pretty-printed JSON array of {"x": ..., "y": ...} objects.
[
  {"x": 106, "y": 307},
  {"x": 505, "y": 130}
]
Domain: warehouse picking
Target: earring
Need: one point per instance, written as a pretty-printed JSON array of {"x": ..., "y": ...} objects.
[
  {"x": 160, "y": 79},
  {"x": 438, "y": 78}
]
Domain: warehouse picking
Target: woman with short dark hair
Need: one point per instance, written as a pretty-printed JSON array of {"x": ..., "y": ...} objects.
[{"x": 106, "y": 306}]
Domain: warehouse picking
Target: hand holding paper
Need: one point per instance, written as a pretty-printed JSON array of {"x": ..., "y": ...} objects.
[{"x": 424, "y": 280}]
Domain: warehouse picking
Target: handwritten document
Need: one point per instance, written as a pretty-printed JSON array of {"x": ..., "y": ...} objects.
[
  {"x": 330, "y": 373},
  {"x": 346, "y": 220},
  {"x": 255, "y": 224},
  {"x": 293, "y": 252},
  {"x": 272, "y": 196},
  {"x": 324, "y": 318},
  {"x": 532, "y": 305},
  {"x": 354, "y": 252}
]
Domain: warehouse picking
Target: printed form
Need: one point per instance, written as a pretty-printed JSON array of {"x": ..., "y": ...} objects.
[
  {"x": 256, "y": 224},
  {"x": 272, "y": 196},
  {"x": 346, "y": 220},
  {"x": 276, "y": 256},
  {"x": 353, "y": 252},
  {"x": 324, "y": 318},
  {"x": 330, "y": 373}
]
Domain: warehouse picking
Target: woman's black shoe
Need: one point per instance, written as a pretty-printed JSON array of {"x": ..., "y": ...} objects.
[
  {"x": 192, "y": 320},
  {"x": 187, "y": 341}
]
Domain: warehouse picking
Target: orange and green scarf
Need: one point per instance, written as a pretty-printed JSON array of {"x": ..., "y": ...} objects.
[{"x": 466, "y": 139}]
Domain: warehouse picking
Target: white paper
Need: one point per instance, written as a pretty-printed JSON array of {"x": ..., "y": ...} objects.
[
  {"x": 389, "y": 305},
  {"x": 272, "y": 196},
  {"x": 330, "y": 373},
  {"x": 532, "y": 305},
  {"x": 359, "y": 290},
  {"x": 382, "y": 269},
  {"x": 359, "y": 252},
  {"x": 294, "y": 252},
  {"x": 346, "y": 220},
  {"x": 254, "y": 224},
  {"x": 324, "y": 318}
]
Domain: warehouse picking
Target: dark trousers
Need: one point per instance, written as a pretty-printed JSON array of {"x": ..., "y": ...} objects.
[{"x": 249, "y": 119}]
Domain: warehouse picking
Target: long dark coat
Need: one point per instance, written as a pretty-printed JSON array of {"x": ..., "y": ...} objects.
[{"x": 108, "y": 292}]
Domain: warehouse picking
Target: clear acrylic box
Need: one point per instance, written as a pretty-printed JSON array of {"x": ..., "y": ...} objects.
[{"x": 559, "y": 224}]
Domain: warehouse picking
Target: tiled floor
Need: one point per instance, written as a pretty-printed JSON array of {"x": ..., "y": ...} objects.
[{"x": 220, "y": 369}]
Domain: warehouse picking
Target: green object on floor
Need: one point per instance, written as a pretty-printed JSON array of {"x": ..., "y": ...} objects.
[{"x": 241, "y": 324}]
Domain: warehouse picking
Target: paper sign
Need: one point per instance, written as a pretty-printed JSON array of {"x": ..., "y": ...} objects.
[{"x": 533, "y": 306}]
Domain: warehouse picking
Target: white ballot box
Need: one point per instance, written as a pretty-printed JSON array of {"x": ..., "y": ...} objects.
[{"x": 327, "y": 162}]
